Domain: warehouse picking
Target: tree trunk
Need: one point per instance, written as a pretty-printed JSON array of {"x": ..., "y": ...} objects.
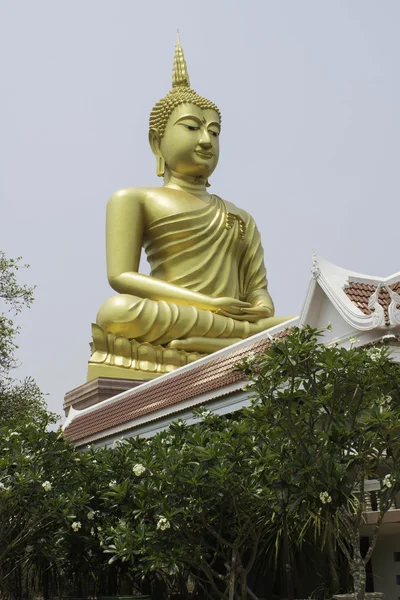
[
  {"x": 243, "y": 584},
  {"x": 232, "y": 575},
  {"x": 45, "y": 585},
  {"x": 357, "y": 569},
  {"x": 332, "y": 563}
]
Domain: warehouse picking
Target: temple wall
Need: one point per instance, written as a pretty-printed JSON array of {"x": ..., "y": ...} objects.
[{"x": 386, "y": 564}]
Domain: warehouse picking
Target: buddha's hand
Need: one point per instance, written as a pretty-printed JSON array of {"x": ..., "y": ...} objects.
[
  {"x": 229, "y": 307},
  {"x": 240, "y": 311},
  {"x": 255, "y": 313}
]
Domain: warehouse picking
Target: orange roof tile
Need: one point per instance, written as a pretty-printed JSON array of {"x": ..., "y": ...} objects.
[
  {"x": 208, "y": 376},
  {"x": 360, "y": 293}
]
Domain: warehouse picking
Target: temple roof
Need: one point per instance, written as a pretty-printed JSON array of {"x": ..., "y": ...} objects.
[
  {"x": 364, "y": 301},
  {"x": 358, "y": 307},
  {"x": 360, "y": 294},
  {"x": 195, "y": 384}
]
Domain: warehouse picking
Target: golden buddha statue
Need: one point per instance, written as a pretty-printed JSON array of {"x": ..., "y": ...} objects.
[{"x": 208, "y": 287}]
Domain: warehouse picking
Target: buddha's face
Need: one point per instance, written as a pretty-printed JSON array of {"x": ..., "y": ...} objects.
[{"x": 190, "y": 144}]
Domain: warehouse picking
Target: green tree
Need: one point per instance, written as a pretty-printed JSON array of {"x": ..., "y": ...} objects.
[
  {"x": 330, "y": 417},
  {"x": 50, "y": 516},
  {"x": 20, "y": 401},
  {"x": 191, "y": 506}
]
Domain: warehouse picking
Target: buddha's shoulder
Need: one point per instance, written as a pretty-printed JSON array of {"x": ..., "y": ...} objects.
[
  {"x": 237, "y": 210},
  {"x": 133, "y": 194}
]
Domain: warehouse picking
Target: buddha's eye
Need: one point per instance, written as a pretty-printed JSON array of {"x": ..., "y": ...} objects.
[
  {"x": 191, "y": 127},
  {"x": 214, "y": 133}
]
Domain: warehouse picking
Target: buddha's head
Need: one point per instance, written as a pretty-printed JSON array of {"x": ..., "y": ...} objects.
[{"x": 184, "y": 127}]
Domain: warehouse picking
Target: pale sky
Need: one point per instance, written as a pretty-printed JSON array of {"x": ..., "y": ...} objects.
[{"x": 309, "y": 93}]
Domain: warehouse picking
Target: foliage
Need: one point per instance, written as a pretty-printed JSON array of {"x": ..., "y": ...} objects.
[
  {"x": 193, "y": 505},
  {"x": 330, "y": 417},
  {"x": 183, "y": 510},
  {"x": 191, "y": 510},
  {"x": 20, "y": 401},
  {"x": 48, "y": 495},
  {"x": 13, "y": 297}
]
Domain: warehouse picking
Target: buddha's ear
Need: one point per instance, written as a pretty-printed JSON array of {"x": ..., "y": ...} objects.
[{"x": 155, "y": 141}]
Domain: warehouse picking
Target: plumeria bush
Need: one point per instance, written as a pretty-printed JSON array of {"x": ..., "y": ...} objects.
[
  {"x": 331, "y": 418},
  {"x": 186, "y": 512},
  {"x": 194, "y": 510},
  {"x": 49, "y": 517}
]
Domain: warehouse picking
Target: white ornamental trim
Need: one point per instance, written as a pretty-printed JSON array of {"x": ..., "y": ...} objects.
[{"x": 393, "y": 311}]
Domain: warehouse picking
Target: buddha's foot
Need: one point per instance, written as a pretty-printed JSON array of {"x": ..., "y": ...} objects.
[
  {"x": 118, "y": 356},
  {"x": 203, "y": 344}
]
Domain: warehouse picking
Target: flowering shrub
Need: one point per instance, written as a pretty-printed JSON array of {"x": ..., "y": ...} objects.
[
  {"x": 330, "y": 417},
  {"x": 196, "y": 507}
]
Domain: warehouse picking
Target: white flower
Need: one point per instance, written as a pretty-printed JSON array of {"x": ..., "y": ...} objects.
[
  {"x": 387, "y": 481},
  {"x": 374, "y": 354},
  {"x": 112, "y": 483},
  {"x": 163, "y": 524},
  {"x": 138, "y": 469},
  {"x": 91, "y": 515},
  {"x": 94, "y": 461},
  {"x": 247, "y": 387},
  {"x": 384, "y": 403},
  {"x": 90, "y": 553},
  {"x": 14, "y": 433},
  {"x": 250, "y": 358},
  {"x": 325, "y": 498},
  {"x": 46, "y": 485},
  {"x": 204, "y": 413},
  {"x": 76, "y": 525},
  {"x": 92, "y": 532},
  {"x": 353, "y": 341},
  {"x": 2, "y": 486}
]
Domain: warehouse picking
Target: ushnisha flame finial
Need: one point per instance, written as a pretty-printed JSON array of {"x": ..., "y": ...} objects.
[
  {"x": 180, "y": 75},
  {"x": 181, "y": 93}
]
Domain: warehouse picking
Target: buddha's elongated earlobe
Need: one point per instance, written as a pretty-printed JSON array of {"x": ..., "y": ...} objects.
[{"x": 160, "y": 168}]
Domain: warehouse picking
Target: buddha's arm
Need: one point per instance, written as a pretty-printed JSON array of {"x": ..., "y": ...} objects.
[
  {"x": 254, "y": 273},
  {"x": 125, "y": 234},
  {"x": 260, "y": 299}
]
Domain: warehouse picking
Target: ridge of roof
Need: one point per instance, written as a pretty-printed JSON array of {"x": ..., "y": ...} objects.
[{"x": 335, "y": 280}]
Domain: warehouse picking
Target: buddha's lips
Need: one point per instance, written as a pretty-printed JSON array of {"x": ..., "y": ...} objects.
[{"x": 204, "y": 154}]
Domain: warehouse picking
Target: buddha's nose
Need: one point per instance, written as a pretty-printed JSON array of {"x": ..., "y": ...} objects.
[{"x": 205, "y": 140}]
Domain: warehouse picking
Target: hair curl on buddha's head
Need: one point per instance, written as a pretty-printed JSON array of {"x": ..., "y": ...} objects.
[{"x": 181, "y": 93}]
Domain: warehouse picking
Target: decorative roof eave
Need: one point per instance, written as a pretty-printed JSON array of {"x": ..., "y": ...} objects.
[
  {"x": 227, "y": 399},
  {"x": 76, "y": 426},
  {"x": 333, "y": 279}
]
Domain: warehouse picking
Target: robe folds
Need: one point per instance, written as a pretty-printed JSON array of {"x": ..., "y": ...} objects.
[{"x": 209, "y": 251}]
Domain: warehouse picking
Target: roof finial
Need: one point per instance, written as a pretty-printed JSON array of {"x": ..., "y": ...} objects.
[{"x": 180, "y": 76}]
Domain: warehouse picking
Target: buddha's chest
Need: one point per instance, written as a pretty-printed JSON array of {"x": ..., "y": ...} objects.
[{"x": 164, "y": 204}]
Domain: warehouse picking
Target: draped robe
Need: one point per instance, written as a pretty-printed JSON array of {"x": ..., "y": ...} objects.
[{"x": 210, "y": 251}]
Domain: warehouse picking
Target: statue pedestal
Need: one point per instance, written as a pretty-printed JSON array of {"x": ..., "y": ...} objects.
[
  {"x": 96, "y": 391},
  {"x": 123, "y": 358}
]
